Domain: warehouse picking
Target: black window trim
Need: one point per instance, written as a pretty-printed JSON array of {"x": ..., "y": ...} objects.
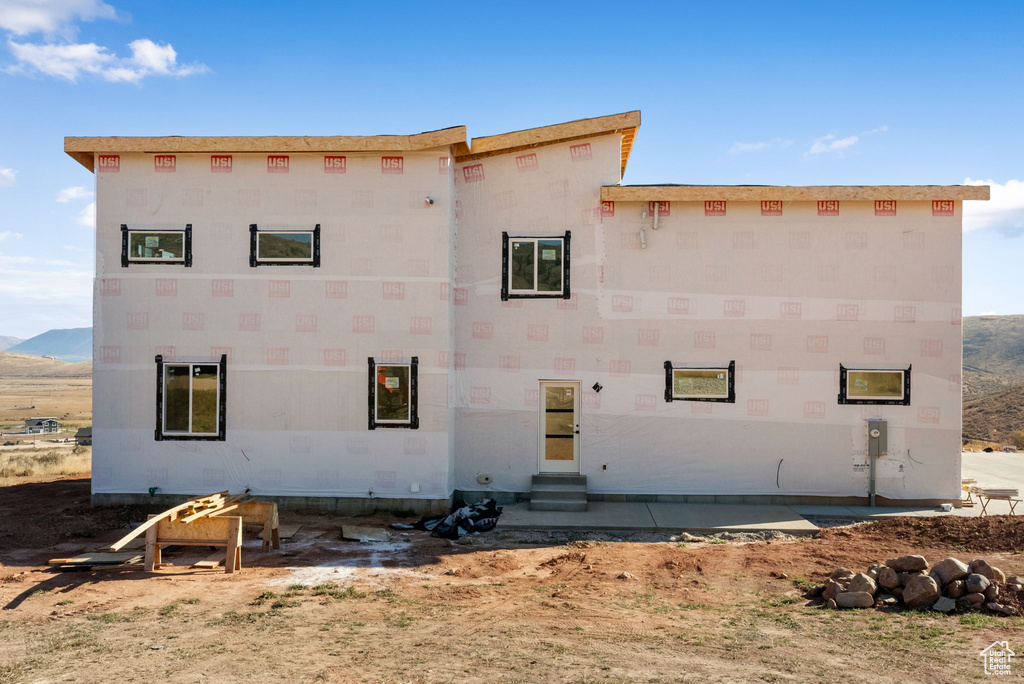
[
  {"x": 222, "y": 377},
  {"x": 670, "y": 395},
  {"x": 905, "y": 401},
  {"x": 254, "y": 262},
  {"x": 414, "y": 417},
  {"x": 126, "y": 239},
  {"x": 564, "y": 294}
]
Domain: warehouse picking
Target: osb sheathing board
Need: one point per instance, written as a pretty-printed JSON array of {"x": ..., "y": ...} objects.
[
  {"x": 787, "y": 290},
  {"x": 297, "y": 338}
]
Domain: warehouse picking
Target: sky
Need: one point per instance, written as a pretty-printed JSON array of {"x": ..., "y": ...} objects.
[{"x": 799, "y": 93}]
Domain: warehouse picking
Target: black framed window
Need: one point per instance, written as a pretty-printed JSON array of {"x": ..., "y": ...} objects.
[
  {"x": 156, "y": 246},
  {"x": 715, "y": 383},
  {"x": 535, "y": 267},
  {"x": 284, "y": 247},
  {"x": 393, "y": 394},
  {"x": 874, "y": 386},
  {"x": 190, "y": 399}
]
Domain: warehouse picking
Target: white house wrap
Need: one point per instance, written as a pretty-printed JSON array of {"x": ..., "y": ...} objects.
[{"x": 398, "y": 317}]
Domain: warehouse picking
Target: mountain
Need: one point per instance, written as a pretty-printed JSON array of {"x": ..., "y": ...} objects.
[
  {"x": 993, "y": 354},
  {"x": 8, "y": 342},
  {"x": 73, "y": 344},
  {"x": 995, "y": 417},
  {"x": 24, "y": 366}
]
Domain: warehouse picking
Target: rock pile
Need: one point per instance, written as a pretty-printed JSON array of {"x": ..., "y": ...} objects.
[{"x": 948, "y": 585}]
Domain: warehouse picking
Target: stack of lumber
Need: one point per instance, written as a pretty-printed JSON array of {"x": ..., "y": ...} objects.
[
  {"x": 996, "y": 492},
  {"x": 193, "y": 509},
  {"x": 100, "y": 560}
]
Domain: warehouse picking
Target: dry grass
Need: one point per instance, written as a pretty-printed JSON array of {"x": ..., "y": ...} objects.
[{"x": 20, "y": 464}]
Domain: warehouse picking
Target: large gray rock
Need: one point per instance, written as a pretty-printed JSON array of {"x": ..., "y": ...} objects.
[
  {"x": 921, "y": 591},
  {"x": 976, "y": 584},
  {"x": 907, "y": 563},
  {"x": 1016, "y": 579},
  {"x": 1000, "y": 608},
  {"x": 956, "y": 589},
  {"x": 831, "y": 590},
  {"x": 944, "y": 604},
  {"x": 949, "y": 569},
  {"x": 862, "y": 583},
  {"x": 981, "y": 567},
  {"x": 971, "y": 599},
  {"x": 855, "y": 599},
  {"x": 874, "y": 570},
  {"x": 907, "y": 576},
  {"x": 841, "y": 573},
  {"x": 992, "y": 592},
  {"x": 887, "y": 578}
]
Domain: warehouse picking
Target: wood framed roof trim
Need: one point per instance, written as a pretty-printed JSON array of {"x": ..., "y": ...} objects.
[{"x": 755, "y": 193}]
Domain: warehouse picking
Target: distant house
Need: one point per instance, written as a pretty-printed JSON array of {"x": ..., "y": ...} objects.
[
  {"x": 84, "y": 436},
  {"x": 41, "y": 426}
]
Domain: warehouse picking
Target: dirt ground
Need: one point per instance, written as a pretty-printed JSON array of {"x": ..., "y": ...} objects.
[
  {"x": 504, "y": 607},
  {"x": 69, "y": 400}
]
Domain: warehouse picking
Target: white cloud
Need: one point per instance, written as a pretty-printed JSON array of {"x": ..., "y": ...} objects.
[
  {"x": 988, "y": 313},
  {"x": 10, "y": 234},
  {"x": 87, "y": 217},
  {"x": 829, "y": 143},
  {"x": 60, "y": 55},
  {"x": 74, "y": 60},
  {"x": 73, "y": 193},
  {"x": 880, "y": 129},
  {"x": 6, "y": 176},
  {"x": 738, "y": 147},
  {"x": 22, "y": 17},
  {"x": 1004, "y": 212}
]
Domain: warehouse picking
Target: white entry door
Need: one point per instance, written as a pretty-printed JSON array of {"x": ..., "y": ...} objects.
[{"x": 559, "y": 427}]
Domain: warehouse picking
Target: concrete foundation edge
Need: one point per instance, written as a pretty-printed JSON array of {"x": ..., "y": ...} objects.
[
  {"x": 509, "y": 498},
  {"x": 323, "y": 504}
]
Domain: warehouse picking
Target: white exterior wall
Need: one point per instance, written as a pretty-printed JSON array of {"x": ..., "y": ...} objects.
[
  {"x": 297, "y": 374},
  {"x": 787, "y": 297}
]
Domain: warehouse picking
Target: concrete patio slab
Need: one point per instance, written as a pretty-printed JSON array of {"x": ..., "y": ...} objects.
[
  {"x": 729, "y": 518},
  {"x": 600, "y": 515}
]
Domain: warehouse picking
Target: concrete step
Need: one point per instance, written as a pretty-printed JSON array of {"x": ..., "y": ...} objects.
[
  {"x": 560, "y": 479},
  {"x": 582, "y": 488},
  {"x": 558, "y": 506},
  {"x": 558, "y": 496}
]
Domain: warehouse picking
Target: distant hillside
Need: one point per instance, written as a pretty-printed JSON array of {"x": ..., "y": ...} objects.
[
  {"x": 24, "y": 366},
  {"x": 993, "y": 354},
  {"x": 73, "y": 344},
  {"x": 995, "y": 417},
  {"x": 8, "y": 342}
]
